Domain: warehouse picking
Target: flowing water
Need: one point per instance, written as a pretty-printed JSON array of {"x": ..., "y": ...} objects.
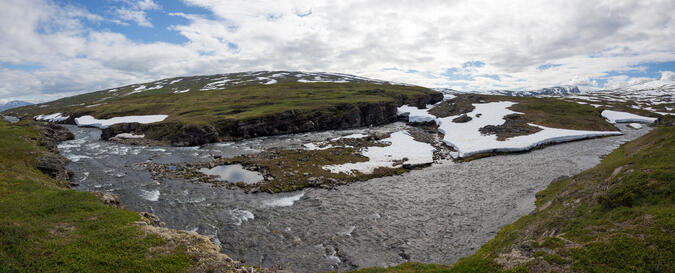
[{"x": 433, "y": 215}]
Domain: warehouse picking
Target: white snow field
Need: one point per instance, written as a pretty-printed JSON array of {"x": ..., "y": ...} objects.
[
  {"x": 467, "y": 140},
  {"x": 416, "y": 115},
  {"x": 105, "y": 123},
  {"x": 623, "y": 117},
  {"x": 402, "y": 146}
]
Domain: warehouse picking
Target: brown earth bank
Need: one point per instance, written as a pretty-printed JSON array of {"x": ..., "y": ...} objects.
[{"x": 339, "y": 117}]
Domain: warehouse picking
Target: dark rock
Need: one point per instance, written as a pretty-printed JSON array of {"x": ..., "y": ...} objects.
[
  {"x": 193, "y": 135},
  {"x": 462, "y": 119},
  {"x": 54, "y": 166},
  {"x": 52, "y": 134}
]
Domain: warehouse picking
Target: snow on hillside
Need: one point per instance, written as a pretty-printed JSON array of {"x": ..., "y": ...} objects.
[{"x": 468, "y": 140}]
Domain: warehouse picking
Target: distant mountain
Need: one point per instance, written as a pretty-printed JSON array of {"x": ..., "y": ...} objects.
[
  {"x": 551, "y": 91},
  {"x": 655, "y": 85},
  {"x": 13, "y": 104}
]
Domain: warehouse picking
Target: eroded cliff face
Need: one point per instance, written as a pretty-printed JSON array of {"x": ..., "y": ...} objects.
[{"x": 342, "y": 116}]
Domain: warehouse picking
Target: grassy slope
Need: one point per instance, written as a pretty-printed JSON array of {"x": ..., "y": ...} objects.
[
  {"x": 239, "y": 102},
  {"x": 616, "y": 217},
  {"x": 44, "y": 227}
]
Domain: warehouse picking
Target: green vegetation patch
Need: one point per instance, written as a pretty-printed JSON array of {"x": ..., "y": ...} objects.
[{"x": 45, "y": 228}]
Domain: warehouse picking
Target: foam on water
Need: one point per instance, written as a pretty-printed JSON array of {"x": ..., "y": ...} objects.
[
  {"x": 150, "y": 195},
  {"x": 283, "y": 201}
]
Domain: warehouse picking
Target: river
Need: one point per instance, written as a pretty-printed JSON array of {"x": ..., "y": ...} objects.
[{"x": 432, "y": 215}]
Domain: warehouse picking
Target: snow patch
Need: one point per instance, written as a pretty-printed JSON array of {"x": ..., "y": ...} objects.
[
  {"x": 403, "y": 149},
  {"x": 635, "y": 125},
  {"x": 105, "y": 123},
  {"x": 467, "y": 139},
  {"x": 416, "y": 115},
  {"x": 623, "y": 117},
  {"x": 128, "y": 136},
  {"x": 52, "y": 118}
]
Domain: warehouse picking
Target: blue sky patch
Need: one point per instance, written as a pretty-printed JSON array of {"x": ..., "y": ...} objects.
[
  {"x": 23, "y": 67},
  {"x": 547, "y": 66}
]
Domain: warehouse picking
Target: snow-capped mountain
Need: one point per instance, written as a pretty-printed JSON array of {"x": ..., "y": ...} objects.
[
  {"x": 562, "y": 90},
  {"x": 655, "y": 85},
  {"x": 550, "y": 91},
  {"x": 13, "y": 104}
]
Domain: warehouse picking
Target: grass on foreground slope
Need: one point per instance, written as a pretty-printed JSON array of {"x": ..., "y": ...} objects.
[
  {"x": 616, "y": 217},
  {"x": 46, "y": 228},
  {"x": 236, "y": 103}
]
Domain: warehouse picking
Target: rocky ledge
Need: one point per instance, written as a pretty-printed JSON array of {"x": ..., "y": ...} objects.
[
  {"x": 339, "y": 117},
  {"x": 50, "y": 161}
]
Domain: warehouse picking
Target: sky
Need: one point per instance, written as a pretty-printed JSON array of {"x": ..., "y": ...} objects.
[{"x": 56, "y": 48}]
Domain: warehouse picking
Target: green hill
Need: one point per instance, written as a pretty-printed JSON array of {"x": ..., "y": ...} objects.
[{"x": 206, "y": 109}]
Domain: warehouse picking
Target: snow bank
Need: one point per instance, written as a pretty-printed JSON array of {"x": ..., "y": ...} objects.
[
  {"x": 313, "y": 146},
  {"x": 416, "y": 115},
  {"x": 128, "y": 136},
  {"x": 623, "y": 117},
  {"x": 402, "y": 146},
  {"x": 635, "y": 125},
  {"x": 52, "y": 118},
  {"x": 467, "y": 140},
  {"x": 105, "y": 123},
  {"x": 352, "y": 136}
]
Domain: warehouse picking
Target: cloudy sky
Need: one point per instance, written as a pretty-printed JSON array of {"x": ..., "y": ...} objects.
[{"x": 55, "y": 48}]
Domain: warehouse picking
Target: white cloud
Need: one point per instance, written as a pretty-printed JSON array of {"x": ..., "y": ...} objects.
[
  {"x": 667, "y": 76},
  {"x": 586, "y": 39},
  {"x": 135, "y": 11}
]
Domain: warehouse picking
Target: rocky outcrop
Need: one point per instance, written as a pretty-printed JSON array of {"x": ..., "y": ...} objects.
[
  {"x": 462, "y": 119},
  {"x": 54, "y": 166},
  {"x": 342, "y": 116},
  {"x": 50, "y": 162},
  {"x": 51, "y": 135}
]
